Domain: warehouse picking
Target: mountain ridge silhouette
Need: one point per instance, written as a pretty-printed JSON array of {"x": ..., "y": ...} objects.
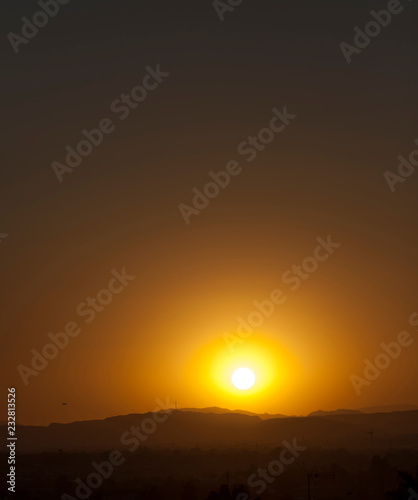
[{"x": 187, "y": 429}]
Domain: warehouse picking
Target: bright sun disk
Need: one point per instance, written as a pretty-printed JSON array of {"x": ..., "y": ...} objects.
[{"x": 243, "y": 378}]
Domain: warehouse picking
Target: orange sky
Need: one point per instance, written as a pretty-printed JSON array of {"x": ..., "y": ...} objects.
[{"x": 163, "y": 335}]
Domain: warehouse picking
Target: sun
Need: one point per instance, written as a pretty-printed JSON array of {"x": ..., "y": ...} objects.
[{"x": 243, "y": 378}]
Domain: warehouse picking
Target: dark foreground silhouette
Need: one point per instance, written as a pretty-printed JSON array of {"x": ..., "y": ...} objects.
[
  {"x": 182, "y": 455},
  {"x": 215, "y": 474}
]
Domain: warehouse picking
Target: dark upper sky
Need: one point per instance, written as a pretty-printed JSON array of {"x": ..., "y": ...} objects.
[{"x": 322, "y": 175}]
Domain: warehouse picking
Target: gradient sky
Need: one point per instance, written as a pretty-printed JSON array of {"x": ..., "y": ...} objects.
[{"x": 323, "y": 175}]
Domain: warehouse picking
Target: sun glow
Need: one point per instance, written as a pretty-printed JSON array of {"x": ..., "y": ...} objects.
[{"x": 220, "y": 374}]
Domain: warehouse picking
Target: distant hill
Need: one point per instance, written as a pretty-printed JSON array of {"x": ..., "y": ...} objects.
[
  {"x": 183, "y": 429},
  {"x": 216, "y": 410},
  {"x": 388, "y": 408},
  {"x": 318, "y": 413},
  {"x": 321, "y": 413}
]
